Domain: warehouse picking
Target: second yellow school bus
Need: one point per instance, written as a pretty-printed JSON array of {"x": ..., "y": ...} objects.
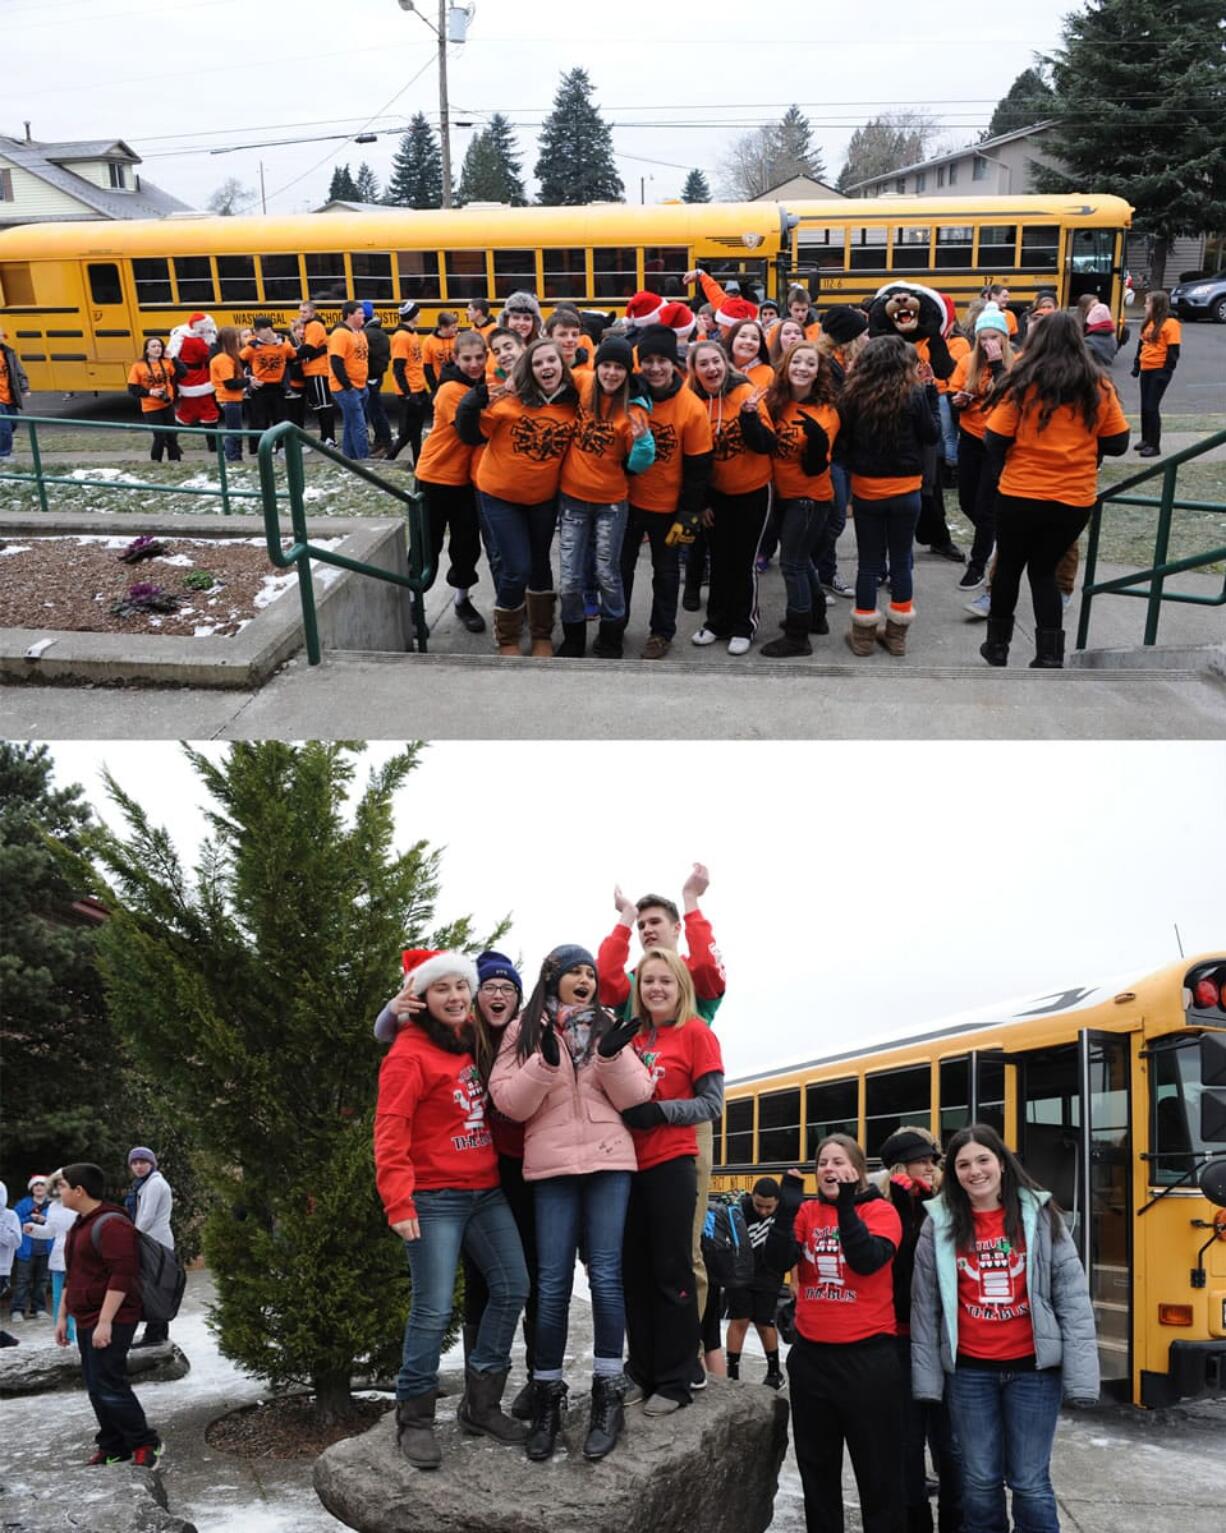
[
  {"x": 78, "y": 300},
  {"x": 1114, "y": 1096}
]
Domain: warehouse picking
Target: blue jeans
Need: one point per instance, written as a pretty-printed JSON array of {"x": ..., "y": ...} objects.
[
  {"x": 1005, "y": 1424},
  {"x": 522, "y": 536},
  {"x": 827, "y": 558},
  {"x": 376, "y": 414},
  {"x": 802, "y": 524},
  {"x": 480, "y": 1222},
  {"x": 587, "y": 528},
  {"x": 354, "y": 442},
  {"x": 57, "y": 1288},
  {"x": 7, "y": 414},
  {"x": 566, "y": 1207},
  {"x": 30, "y": 1280},
  {"x": 232, "y": 415},
  {"x": 885, "y": 526},
  {"x": 949, "y": 430}
]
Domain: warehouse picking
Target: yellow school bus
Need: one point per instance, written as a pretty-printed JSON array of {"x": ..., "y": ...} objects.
[
  {"x": 1114, "y": 1096},
  {"x": 78, "y": 300}
]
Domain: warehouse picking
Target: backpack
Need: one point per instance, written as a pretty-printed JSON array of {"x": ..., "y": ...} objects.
[
  {"x": 163, "y": 1277},
  {"x": 725, "y": 1246}
]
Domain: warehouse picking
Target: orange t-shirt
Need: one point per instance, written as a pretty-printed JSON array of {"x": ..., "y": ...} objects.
[
  {"x": 1153, "y": 352},
  {"x": 594, "y": 468},
  {"x": 227, "y": 377},
  {"x": 1010, "y": 321},
  {"x": 681, "y": 429},
  {"x": 973, "y": 418},
  {"x": 522, "y": 461},
  {"x": 406, "y": 347},
  {"x": 1061, "y": 461},
  {"x": 436, "y": 352},
  {"x": 6, "y": 388},
  {"x": 791, "y": 481},
  {"x": 813, "y": 331},
  {"x": 444, "y": 458},
  {"x": 354, "y": 350},
  {"x": 958, "y": 347},
  {"x": 864, "y": 487},
  {"x": 268, "y": 363},
  {"x": 761, "y": 374},
  {"x": 146, "y": 375},
  {"x": 316, "y": 335},
  {"x": 738, "y": 471}
]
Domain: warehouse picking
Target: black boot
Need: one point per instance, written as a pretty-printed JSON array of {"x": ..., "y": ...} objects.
[
  {"x": 521, "y": 1406},
  {"x": 608, "y": 642},
  {"x": 469, "y": 616},
  {"x": 795, "y": 639},
  {"x": 995, "y": 648},
  {"x": 773, "y": 1379},
  {"x": 548, "y": 1404},
  {"x": 574, "y": 641},
  {"x": 608, "y": 1415},
  {"x": 817, "y": 617},
  {"x": 415, "y": 1431},
  {"x": 480, "y": 1412},
  {"x": 1048, "y": 649}
]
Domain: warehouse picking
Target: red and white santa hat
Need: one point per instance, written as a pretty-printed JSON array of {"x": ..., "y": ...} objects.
[
  {"x": 679, "y": 318},
  {"x": 733, "y": 310},
  {"x": 644, "y": 309},
  {"x": 424, "y": 965}
]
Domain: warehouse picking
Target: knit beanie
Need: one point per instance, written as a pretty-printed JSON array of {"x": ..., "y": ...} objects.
[
  {"x": 368, "y": 310},
  {"x": 564, "y": 958},
  {"x": 423, "y": 965},
  {"x": 768, "y": 303},
  {"x": 644, "y": 308},
  {"x": 991, "y": 318},
  {"x": 409, "y": 310},
  {"x": 1099, "y": 319},
  {"x": 842, "y": 323},
  {"x": 142, "y": 1153},
  {"x": 492, "y": 965},
  {"x": 904, "y": 1145},
  {"x": 615, "y": 348},
  {"x": 733, "y": 310},
  {"x": 522, "y": 302},
  {"x": 658, "y": 341}
]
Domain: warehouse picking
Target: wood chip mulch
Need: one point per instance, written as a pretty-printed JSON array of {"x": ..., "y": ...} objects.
[
  {"x": 287, "y": 1428},
  {"x": 71, "y": 583}
]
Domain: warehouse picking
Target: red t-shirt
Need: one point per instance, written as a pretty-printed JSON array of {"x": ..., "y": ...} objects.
[
  {"x": 833, "y": 1302},
  {"x": 993, "y": 1305},
  {"x": 431, "y": 1128},
  {"x": 676, "y": 1057}
]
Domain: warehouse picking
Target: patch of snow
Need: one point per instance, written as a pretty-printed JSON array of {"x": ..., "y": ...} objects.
[
  {"x": 14, "y": 548},
  {"x": 205, "y": 630},
  {"x": 155, "y": 622},
  {"x": 100, "y": 475},
  {"x": 182, "y": 559},
  {"x": 273, "y": 587}
]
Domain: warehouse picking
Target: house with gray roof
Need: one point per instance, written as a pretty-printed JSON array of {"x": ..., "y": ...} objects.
[{"x": 60, "y": 182}]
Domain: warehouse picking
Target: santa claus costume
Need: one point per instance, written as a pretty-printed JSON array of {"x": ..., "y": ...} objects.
[{"x": 190, "y": 348}]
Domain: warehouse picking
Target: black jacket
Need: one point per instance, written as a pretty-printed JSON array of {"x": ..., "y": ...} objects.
[
  {"x": 19, "y": 384},
  {"x": 866, "y": 452},
  {"x": 379, "y": 349}
]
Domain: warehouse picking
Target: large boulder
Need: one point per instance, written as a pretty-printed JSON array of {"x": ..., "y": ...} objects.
[
  {"x": 39, "y": 1365},
  {"x": 115, "y": 1500},
  {"x": 713, "y": 1466}
]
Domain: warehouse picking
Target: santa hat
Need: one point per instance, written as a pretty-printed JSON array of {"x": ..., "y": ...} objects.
[
  {"x": 679, "y": 318},
  {"x": 644, "y": 309},
  {"x": 733, "y": 310},
  {"x": 951, "y": 313},
  {"x": 35, "y": 1180},
  {"x": 424, "y": 965}
]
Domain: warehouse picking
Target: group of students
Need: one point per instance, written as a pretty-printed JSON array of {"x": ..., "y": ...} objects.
[{"x": 519, "y": 1137}]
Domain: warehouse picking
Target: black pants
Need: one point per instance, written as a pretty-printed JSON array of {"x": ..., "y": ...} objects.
[
  {"x": 932, "y": 528},
  {"x": 850, "y": 1393},
  {"x": 267, "y": 407},
  {"x": 982, "y": 518},
  {"x": 122, "y": 1427},
  {"x": 411, "y": 418},
  {"x": 295, "y": 408},
  {"x": 712, "y": 1337},
  {"x": 662, "y": 1331},
  {"x": 319, "y": 398},
  {"x": 164, "y": 442},
  {"x": 665, "y": 567},
  {"x": 732, "y": 599},
  {"x": 926, "y": 1424},
  {"x": 696, "y": 564},
  {"x": 453, "y": 508},
  {"x": 1033, "y": 535},
  {"x": 518, "y": 1194},
  {"x": 1153, "y": 386},
  {"x": 156, "y": 1332}
]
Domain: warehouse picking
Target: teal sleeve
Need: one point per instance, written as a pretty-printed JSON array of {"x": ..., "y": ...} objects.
[{"x": 642, "y": 455}]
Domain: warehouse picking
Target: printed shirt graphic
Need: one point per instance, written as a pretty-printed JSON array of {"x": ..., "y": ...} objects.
[
  {"x": 791, "y": 481},
  {"x": 993, "y": 1305},
  {"x": 676, "y": 1057},
  {"x": 681, "y": 429},
  {"x": 834, "y": 1303},
  {"x": 522, "y": 461},
  {"x": 595, "y": 465}
]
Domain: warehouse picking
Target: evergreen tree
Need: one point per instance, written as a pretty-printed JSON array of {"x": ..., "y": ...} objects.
[
  {"x": 417, "y": 169},
  {"x": 365, "y": 184},
  {"x": 248, "y": 985},
  {"x": 575, "y": 164},
  {"x": 886, "y": 143},
  {"x": 1140, "y": 85},
  {"x": 768, "y": 155},
  {"x": 492, "y": 170},
  {"x": 342, "y": 187},
  {"x": 1027, "y": 101},
  {"x": 797, "y": 153},
  {"x": 696, "y": 188}
]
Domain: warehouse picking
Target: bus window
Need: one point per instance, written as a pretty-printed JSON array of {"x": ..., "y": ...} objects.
[
  {"x": 514, "y": 272},
  {"x": 954, "y": 246},
  {"x": 614, "y": 272},
  {"x": 894, "y": 1099},
  {"x": 821, "y": 247},
  {"x": 419, "y": 276},
  {"x": 372, "y": 276},
  {"x": 991, "y": 1092},
  {"x": 1175, "y": 1088},
  {"x": 325, "y": 275},
  {"x": 717, "y": 1142},
  {"x": 282, "y": 282},
  {"x": 831, "y": 1108},
  {"x": 236, "y": 277},
  {"x": 565, "y": 273},
  {"x": 152, "y": 280},
  {"x": 104, "y": 284},
  {"x": 911, "y": 249},
  {"x": 16, "y": 286},
  {"x": 779, "y": 1126},
  {"x": 997, "y": 246},
  {"x": 740, "y": 1133},
  {"x": 194, "y": 276},
  {"x": 465, "y": 273},
  {"x": 1041, "y": 246},
  {"x": 955, "y": 1095},
  {"x": 663, "y": 268},
  {"x": 868, "y": 249},
  {"x": 1092, "y": 250}
]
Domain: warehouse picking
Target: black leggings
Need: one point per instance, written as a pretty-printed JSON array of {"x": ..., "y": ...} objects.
[
  {"x": 662, "y": 1330},
  {"x": 981, "y": 517},
  {"x": 411, "y": 418},
  {"x": 732, "y": 599},
  {"x": 476, "y": 1294},
  {"x": 1153, "y": 386},
  {"x": 163, "y": 441},
  {"x": 1033, "y": 535}
]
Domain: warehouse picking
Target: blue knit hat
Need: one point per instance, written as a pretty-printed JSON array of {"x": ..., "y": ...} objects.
[
  {"x": 368, "y": 309},
  {"x": 143, "y": 1153},
  {"x": 991, "y": 318},
  {"x": 564, "y": 958},
  {"x": 492, "y": 965}
]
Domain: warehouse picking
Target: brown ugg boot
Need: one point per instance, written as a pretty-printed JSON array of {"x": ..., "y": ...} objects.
[
  {"x": 862, "y": 634},
  {"x": 508, "y": 629},
  {"x": 893, "y": 639},
  {"x": 541, "y": 606}
]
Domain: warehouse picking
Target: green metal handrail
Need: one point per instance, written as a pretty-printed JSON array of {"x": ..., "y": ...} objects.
[
  {"x": 299, "y": 555},
  {"x": 1157, "y": 574}
]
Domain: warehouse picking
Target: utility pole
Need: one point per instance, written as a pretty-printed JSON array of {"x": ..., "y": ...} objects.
[
  {"x": 263, "y": 195},
  {"x": 444, "y": 121}
]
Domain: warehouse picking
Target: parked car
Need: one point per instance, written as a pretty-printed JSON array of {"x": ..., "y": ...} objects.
[{"x": 1204, "y": 297}]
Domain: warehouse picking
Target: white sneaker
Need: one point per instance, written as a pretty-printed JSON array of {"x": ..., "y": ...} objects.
[
  {"x": 704, "y": 636},
  {"x": 980, "y": 606},
  {"x": 838, "y": 587},
  {"x": 738, "y": 645}
]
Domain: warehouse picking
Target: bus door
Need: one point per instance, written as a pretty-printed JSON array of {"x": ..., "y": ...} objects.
[
  {"x": 110, "y": 324},
  {"x": 1093, "y": 263}
]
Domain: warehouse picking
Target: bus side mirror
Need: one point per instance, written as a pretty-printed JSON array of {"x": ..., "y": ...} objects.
[
  {"x": 1213, "y": 1059},
  {"x": 1213, "y": 1181}
]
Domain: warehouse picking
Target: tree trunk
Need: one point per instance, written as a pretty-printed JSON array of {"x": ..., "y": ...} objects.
[
  {"x": 333, "y": 1400},
  {"x": 1157, "y": 261}
]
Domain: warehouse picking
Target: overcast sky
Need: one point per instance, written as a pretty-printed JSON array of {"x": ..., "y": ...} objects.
[
  {"x": 857, "y": 890},
  {"x": 173, "y": 77}
]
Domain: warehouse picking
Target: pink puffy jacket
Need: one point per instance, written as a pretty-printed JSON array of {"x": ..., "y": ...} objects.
[{"x": 572, "y": 1119}]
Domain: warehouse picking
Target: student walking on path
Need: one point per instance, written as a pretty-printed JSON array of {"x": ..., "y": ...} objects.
[{"x": 1157, "y": 356}]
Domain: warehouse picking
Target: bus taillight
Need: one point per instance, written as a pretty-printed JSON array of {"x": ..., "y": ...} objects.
[{"x": 1174, "y": 1314}]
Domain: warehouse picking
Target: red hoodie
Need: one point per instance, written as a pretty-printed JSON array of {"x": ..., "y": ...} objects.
[{"x": 94, "y": 1269}]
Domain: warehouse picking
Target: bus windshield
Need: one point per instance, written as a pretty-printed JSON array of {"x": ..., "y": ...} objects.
[{"x": 1177, "y": 1089}]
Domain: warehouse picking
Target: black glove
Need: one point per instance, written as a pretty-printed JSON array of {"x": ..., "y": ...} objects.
[
  {"x": 847, "y": 1194},
  {"x": 618, "y": 1036},
  {"x": 1136, "y": 372},
  {"x": 551, "y": 1052},
  {"x": 645, "y": 1115}
]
